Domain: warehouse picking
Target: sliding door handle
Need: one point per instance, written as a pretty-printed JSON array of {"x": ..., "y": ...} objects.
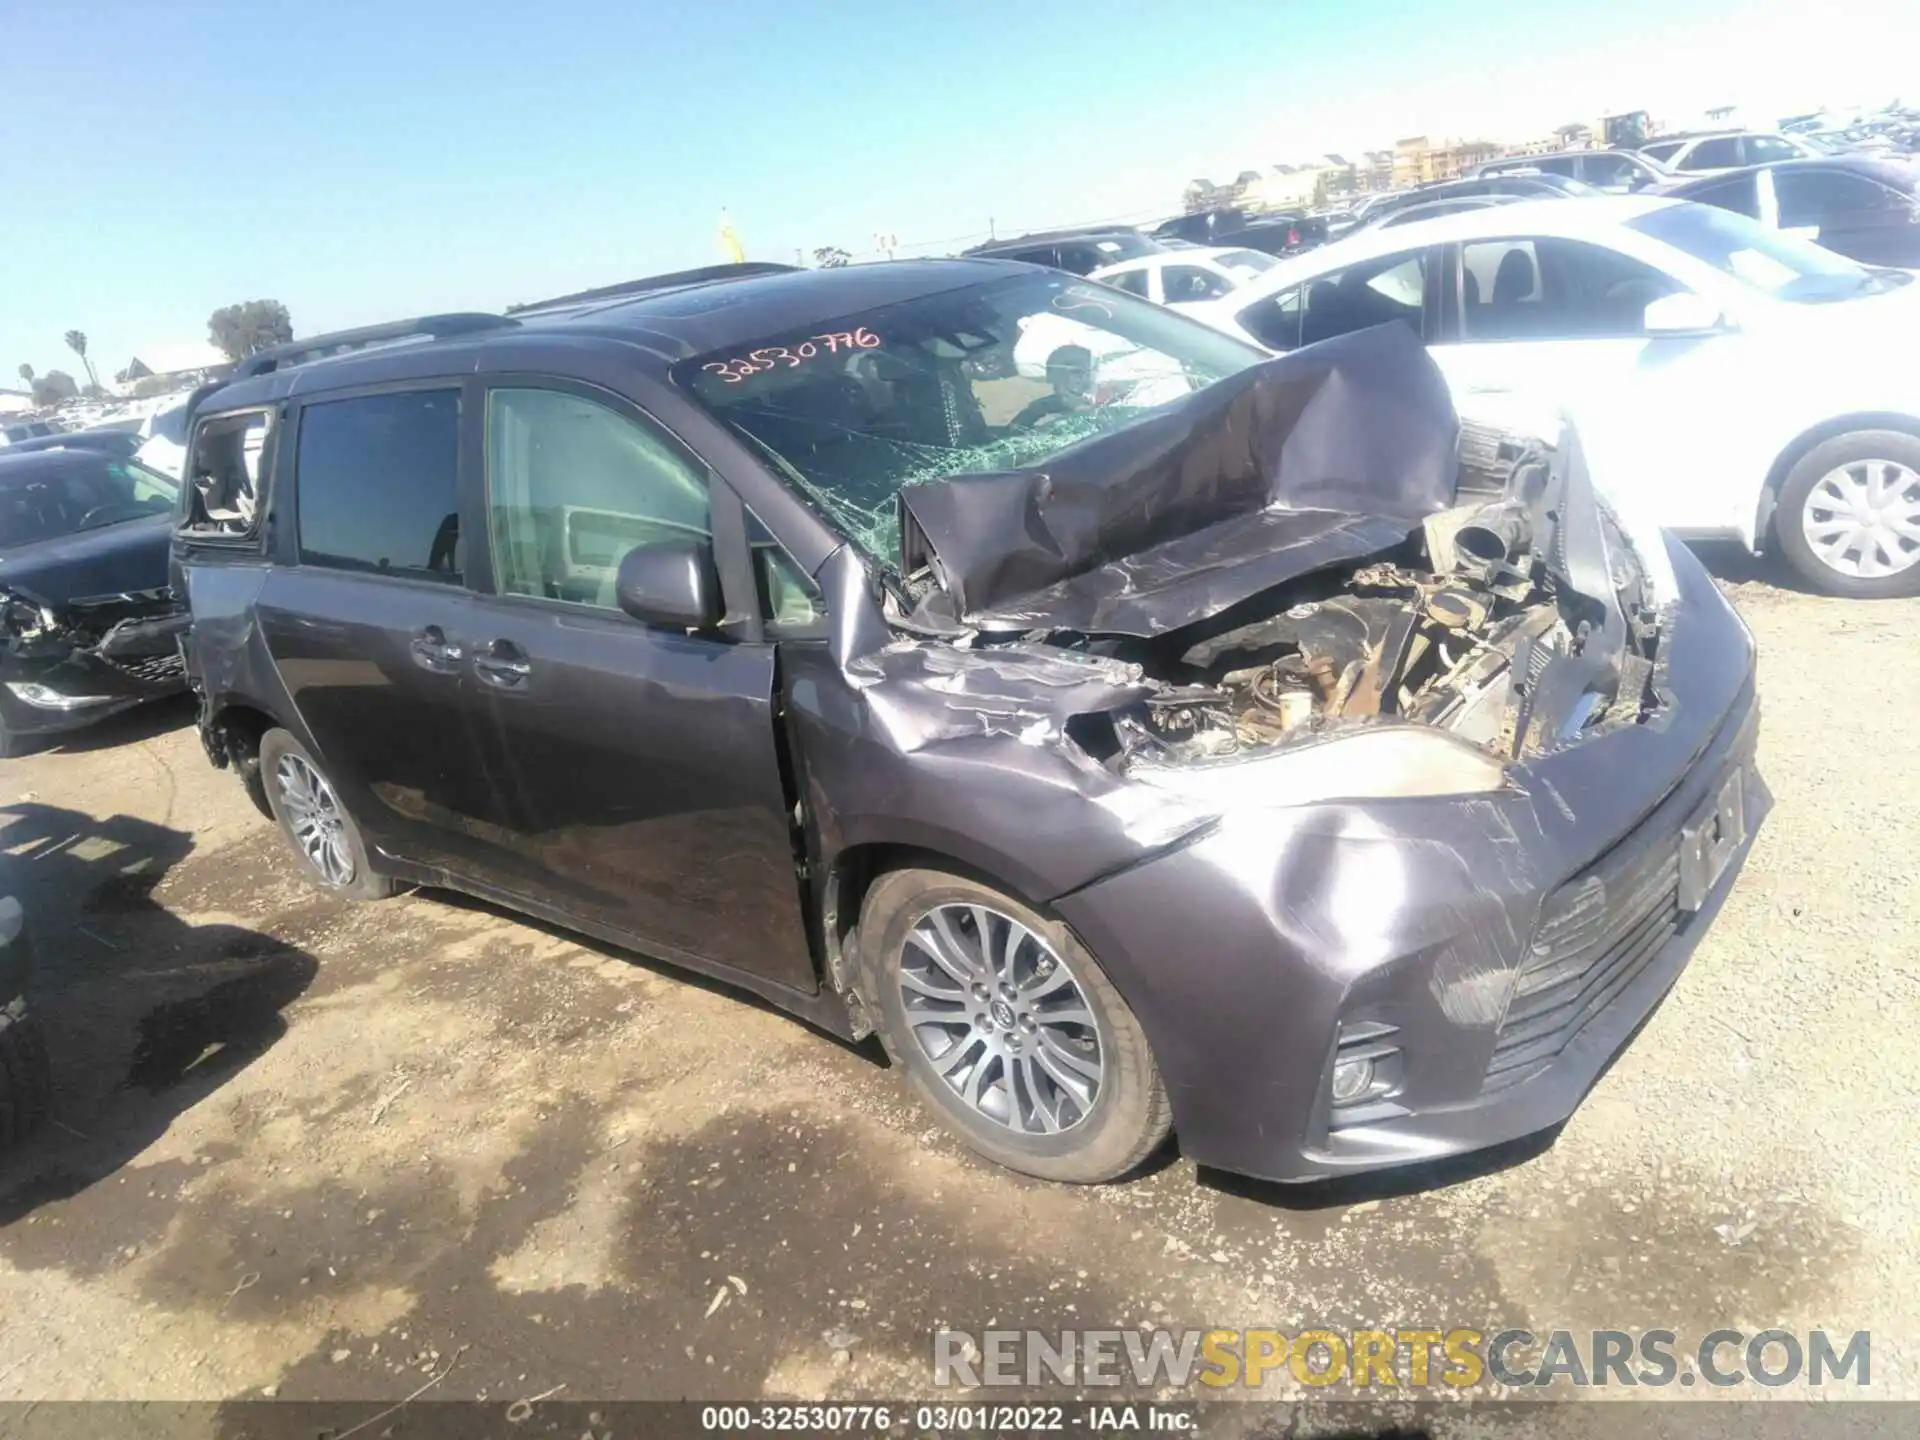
[
  {"x": 503, "y": 665},
  {"x": 431, "y": 650}
]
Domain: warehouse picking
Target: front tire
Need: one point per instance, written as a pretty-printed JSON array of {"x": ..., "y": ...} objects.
[
  {"x": 308, "y": 808},
  {"x": 1007, "y": 1029},
  {"x": 1848, "y": 520}
]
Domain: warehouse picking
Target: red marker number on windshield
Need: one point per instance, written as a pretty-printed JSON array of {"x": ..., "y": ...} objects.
[{"x": 784, "y": 357}]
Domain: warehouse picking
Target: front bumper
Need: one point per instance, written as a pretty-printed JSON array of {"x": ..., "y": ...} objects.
[
  {"x": 51, "y": 684},
  {"x": 1504, "y": 948}
]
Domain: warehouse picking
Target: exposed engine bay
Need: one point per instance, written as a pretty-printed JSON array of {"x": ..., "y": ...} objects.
[{"x": 1474, "y": 626}]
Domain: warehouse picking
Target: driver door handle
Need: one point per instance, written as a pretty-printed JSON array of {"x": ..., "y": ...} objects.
[
  {"x": 503, "y": 665},
  {"x": 431, "y": 650}
]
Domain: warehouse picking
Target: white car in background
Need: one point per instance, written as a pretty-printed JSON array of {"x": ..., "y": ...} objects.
[
  {"x": 1190, "y": 275},
  {"x": 1729, "y": 381},
  {"x": 1691, "y": 155},
  {"x": 163, "y": 444}
]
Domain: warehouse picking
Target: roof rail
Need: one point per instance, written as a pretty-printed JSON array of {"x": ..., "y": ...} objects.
[
  {"x": 339, "y": 342},
  {"x": 651, "y": 283}
]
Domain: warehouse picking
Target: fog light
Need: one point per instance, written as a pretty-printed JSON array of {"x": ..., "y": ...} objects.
[
  {"x": 47, "y": 698},
  {"x": 1352, "y": 1079}
]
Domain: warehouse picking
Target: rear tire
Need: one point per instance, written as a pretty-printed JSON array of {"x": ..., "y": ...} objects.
[
  {"x": 1818, "y": 496},
  {"x": 307, "y": 806},
  {"x": 26, "y": 1083},
  {"x": 991, "y": 1045}
]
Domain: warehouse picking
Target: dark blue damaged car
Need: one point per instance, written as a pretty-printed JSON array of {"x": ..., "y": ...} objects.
[{"x": 1138, "y": 734}]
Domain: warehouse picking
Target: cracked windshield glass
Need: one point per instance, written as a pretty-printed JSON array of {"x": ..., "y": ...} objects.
[{"x": 988, "y": 376}]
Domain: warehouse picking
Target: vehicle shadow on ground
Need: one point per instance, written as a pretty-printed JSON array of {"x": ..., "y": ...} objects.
[
  {"x": 868, "y": 1049},
  {"x": 1736, "y": 565},
  {"x": 129, "y": 727},
  {"x": 144, "y": 1015}
]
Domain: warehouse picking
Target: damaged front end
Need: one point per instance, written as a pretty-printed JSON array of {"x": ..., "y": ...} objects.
[
  {"x": 1322, "y": 556},
  {"x": 64, "y": 665},
  {"x": 1351, "y": 744}
]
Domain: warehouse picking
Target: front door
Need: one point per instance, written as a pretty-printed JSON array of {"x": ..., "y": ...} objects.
[
  {"x": 365, "y": 629},
  {"x": 642, "y": 773}
]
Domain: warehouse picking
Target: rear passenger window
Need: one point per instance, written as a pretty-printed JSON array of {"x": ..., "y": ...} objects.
[
  {"x": 1134, "y": 282},
  {"x": 378, "y": 484}
]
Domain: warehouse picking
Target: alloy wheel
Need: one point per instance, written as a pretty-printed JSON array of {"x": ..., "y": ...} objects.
[
  {"x": 1863, "y": 519},
  {"x": 316, "y": 819},
  {"x": 1001, "y": 1018}
]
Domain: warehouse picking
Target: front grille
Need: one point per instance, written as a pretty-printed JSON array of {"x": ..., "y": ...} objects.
[
  {"x": 151, "y": 669},
  {"x": 1597, "y": 933}
]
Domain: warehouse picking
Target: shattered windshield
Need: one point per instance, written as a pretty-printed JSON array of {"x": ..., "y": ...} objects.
[
  {"x": 71, "y": 491},
  {"x": 984, "y": 377}
]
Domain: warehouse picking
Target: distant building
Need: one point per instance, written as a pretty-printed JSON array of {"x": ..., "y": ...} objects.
[
  {"x": 171, "y": 366},
  {"x": 1417, "y": 161}
]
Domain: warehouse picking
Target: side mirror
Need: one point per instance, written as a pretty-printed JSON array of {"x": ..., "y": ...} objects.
[
  {"x": 1683, "y": 314},
  {"x": 671, "y": 584}
]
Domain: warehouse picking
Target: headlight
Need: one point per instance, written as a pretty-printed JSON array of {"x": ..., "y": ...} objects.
[
  {"x": 1387, "y": 762},
  {"x": 25, "y": 619}
]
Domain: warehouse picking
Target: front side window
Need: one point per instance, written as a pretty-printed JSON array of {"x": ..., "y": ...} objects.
[
  {"x": 1182, "y": 284},
  {"x": 67, "y": 492},
  {"x": 572, "y": 486},
  {"x": 228, "y": 473},
  {"x": 1274, "y": 321},
  {"x": 1548, "y": 288},
  {"x": 1663, "y": 150},
  {"x": 983, "y": 376},
  {"x": 1373, "y": 292},
  {"x": 377, "y": 478}
]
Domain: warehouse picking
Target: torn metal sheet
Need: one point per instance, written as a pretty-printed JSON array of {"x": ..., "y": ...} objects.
[{"x": 1321, "y": 456}]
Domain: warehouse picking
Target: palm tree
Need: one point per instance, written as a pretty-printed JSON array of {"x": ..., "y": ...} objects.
[
  {"x": 26, "y": 374},
  {"x": 77, "y": 342}
]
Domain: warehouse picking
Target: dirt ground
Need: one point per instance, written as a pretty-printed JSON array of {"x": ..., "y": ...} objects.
[{"x": 309, "y": 1149}]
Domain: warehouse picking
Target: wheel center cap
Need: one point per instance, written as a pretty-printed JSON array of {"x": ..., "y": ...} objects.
[{"x": 1002, "y": 1014}]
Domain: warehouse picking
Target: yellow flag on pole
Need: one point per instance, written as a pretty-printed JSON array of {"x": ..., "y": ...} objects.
[{"x": 730, "y": 245}]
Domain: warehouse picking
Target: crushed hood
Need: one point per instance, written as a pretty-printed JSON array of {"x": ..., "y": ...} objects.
[
  {"x": 1322, "y": 456},
  {"x": 113, "y": 560}
]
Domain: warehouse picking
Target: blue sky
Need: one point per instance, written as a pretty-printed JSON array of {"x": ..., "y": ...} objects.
[{"x": 362, "y": 160}]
